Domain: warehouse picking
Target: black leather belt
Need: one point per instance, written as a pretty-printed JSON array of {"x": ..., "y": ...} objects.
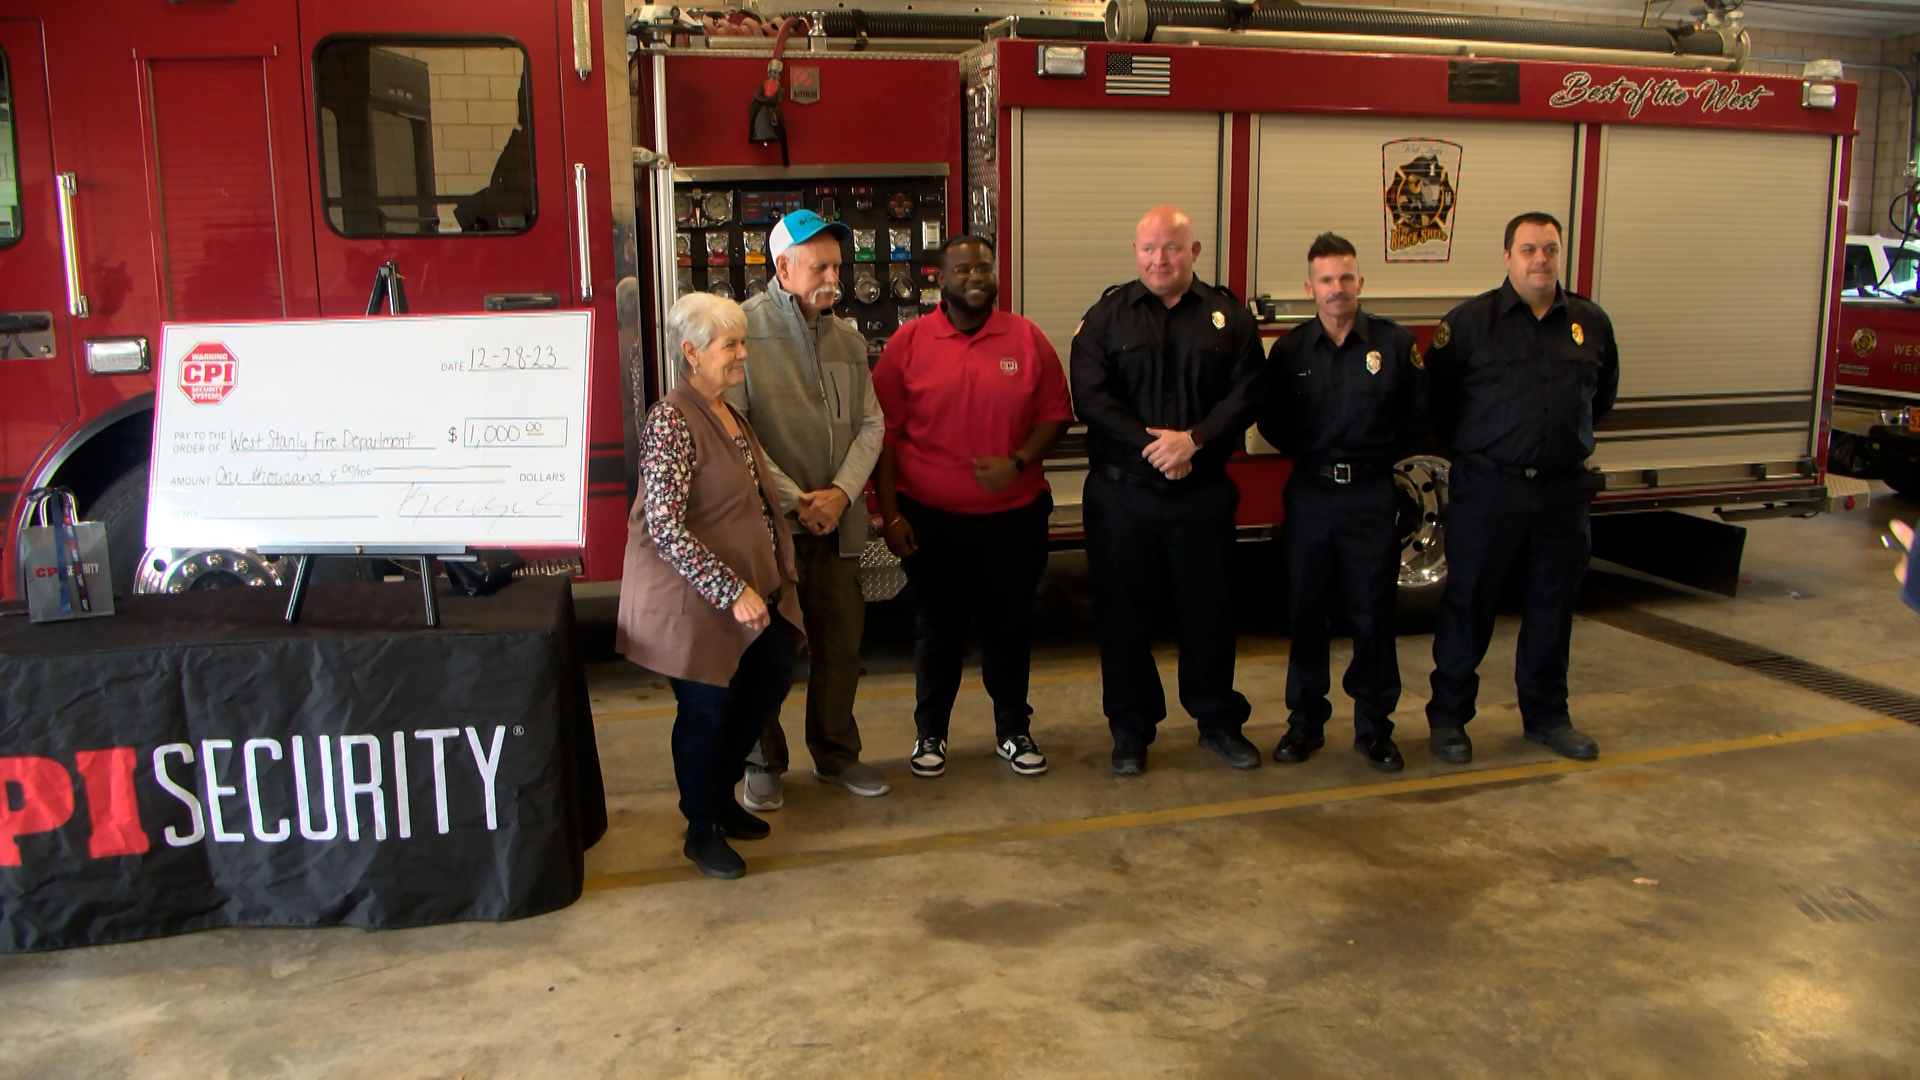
[
  {"x": 1350, "y": 472},
  {"x": 1116, "y": 473},
  {"x": 1592, "y": 479}
]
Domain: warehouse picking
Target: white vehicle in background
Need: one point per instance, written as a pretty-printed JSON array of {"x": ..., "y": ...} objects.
[{"x": 1881, "y": 267}]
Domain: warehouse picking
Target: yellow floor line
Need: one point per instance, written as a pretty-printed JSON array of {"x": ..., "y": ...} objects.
[
  {"x": 971, "y": 685},
  {"x": 918, "y": 845}
]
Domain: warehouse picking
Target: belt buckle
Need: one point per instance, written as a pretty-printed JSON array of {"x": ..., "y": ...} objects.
[
  {"x": 1343, "y": 473},
  {"x": 1531, "y": 473}
]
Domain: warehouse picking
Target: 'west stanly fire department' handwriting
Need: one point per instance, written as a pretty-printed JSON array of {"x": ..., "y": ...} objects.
[{"x": 1712, "y": 94}]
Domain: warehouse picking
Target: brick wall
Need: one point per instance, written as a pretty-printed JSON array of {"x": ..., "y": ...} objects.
[{"x": 475, "y": 96}]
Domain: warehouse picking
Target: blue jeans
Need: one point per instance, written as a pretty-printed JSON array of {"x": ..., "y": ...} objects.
[{"x": 717, "y": 725}]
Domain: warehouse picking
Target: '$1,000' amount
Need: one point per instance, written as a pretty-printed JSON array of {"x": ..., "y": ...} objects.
[{"x": 478, "y": 431}]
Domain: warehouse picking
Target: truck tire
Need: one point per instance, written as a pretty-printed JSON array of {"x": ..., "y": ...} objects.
[
  {"x": 1420, "y": 503},
  {"x": 1896, "y": 457},
  {"x": 1902, "y": 475},
  {"x": 122, "y": 509}
]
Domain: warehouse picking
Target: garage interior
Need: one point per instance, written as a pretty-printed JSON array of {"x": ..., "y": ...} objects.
[{"x": 1722, "y": 892}]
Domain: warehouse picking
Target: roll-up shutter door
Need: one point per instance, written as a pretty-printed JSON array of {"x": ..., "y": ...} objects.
[
  {"x": 1712, "y": 264},
  {"x": 1332, "y": 173},
  {"x": 1086, "y": 179}
]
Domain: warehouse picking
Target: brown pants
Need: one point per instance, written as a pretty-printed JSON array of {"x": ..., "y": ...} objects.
[{"x": 836, "y": 616}]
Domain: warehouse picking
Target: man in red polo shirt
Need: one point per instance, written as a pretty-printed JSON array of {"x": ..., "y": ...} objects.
[{"x": 973, "y": 397}]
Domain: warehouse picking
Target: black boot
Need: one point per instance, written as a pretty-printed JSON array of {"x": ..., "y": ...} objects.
[{"x": 709, "y": 851}]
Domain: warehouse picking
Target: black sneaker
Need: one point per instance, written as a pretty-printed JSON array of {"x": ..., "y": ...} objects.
[
  {"x": 1026, "y": 758},
  {"x": 929, "y": 757},
  {"x": 1129, "y": 758}
]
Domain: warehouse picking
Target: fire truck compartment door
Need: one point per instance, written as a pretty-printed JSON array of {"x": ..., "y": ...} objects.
[
  {"x": 36, "y": 367},
  {"x": 1426, "y": 202},
  {"x": 1085, "y": 178},
  {"x": 438, "y": 144},
  {"x": 1713, "y": 263}
]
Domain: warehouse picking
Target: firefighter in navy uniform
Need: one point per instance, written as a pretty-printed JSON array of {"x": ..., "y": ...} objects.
[
  {"x": 1166, "y": 374},
  {"x": 1345, "y": 398},
  {"x": 1517, "y": 379}
]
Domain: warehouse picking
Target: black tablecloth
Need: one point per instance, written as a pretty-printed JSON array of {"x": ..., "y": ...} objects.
[{"x": 114, "y": 730}]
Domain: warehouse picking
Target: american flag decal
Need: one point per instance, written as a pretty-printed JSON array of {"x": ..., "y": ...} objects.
[{"x": 1139, "y": 75}]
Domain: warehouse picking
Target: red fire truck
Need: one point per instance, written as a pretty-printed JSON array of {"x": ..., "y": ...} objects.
[
  {"x": 1876, "y": 410},
  {"x": 195, "y": 161}
]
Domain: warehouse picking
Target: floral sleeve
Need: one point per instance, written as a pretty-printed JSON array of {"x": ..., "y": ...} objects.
[{"x": 666, "y": 472}]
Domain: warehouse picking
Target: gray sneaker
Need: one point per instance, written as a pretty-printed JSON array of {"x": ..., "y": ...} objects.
[
  {"x": 762, "y": 791},
  {"x": 859, "y": 778}
]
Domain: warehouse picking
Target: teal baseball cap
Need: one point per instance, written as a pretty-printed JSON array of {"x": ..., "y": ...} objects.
[{"x": 799, "y": 227}]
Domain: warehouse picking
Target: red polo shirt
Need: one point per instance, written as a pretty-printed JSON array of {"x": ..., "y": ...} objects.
[{"x": 950, "y": 397}]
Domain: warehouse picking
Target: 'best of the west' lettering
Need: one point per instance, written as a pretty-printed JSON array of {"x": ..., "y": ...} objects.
[
  {"x": 1713, "y": 94},
  {"x": 224, "y": 795}
]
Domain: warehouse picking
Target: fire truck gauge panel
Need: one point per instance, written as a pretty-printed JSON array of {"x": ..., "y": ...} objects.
[
  {"x": 683, "y": 249},
  {"x": 888, "y": 271},
  {"x": 682, "y": 210},
  {"x": 721, "y": 288}
]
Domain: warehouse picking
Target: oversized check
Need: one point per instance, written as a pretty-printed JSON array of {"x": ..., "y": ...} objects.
[{"x": 429, "y": 430}]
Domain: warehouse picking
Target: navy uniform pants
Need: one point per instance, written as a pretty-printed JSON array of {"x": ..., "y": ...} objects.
[
  {"x": 1499, "y": 527},
  {"x": 1153, "y": 552},
  {"x": 1342, "y": 536}
]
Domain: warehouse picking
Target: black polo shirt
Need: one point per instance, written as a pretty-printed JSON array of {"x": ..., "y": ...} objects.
[
  {"x": 1361, "y": 401},
  {"x": 1137, "y": 363},
  {"x": 1522, "y": 391}
]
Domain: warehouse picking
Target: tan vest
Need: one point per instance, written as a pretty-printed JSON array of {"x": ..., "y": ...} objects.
[{"x": 665, "y": 625}]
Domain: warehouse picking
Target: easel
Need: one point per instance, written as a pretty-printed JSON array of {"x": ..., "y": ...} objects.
[{"x": 390, "y": 293}]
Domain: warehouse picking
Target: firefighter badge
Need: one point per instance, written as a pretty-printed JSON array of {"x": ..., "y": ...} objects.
[
  {"x": 1579, "y": 335},
  {"x": 1373, "y": 363},
  {"x": 1864, "y": 341},
  {"x": 1419, "y": 362},
  {"x": 1219, "y": 321},
  {"x": 1442, "y": 334},
  {"x": 1420, "y": 181}
]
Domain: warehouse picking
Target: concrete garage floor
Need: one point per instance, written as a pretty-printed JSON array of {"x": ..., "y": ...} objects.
[{"x": 1730, "y": 890}]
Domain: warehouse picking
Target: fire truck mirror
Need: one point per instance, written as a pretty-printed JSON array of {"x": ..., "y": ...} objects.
[{"x": 419, "y": 138}]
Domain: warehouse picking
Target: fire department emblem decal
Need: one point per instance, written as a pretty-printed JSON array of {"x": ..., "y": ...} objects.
[
  {"x": 1442, "y": 334},
  {"x": 1419, "y": 361},
  {"x": 1421, "y": 182},
  {"x": 1864, "y": 341},
  {"x": 1373, "y": 363}
]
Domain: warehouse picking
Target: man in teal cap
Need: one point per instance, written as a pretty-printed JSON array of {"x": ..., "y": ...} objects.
[{"x": 810, "y": 400}]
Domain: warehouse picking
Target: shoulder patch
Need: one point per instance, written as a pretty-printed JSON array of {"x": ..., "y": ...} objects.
[
  {"x": 1079, "y": 326},
  {"x": 1442, "y": 334},
  {"x": 1413, "y": 354}
]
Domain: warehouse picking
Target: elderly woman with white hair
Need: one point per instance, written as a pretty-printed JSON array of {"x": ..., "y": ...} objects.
[{"x": 707, "y": 595}]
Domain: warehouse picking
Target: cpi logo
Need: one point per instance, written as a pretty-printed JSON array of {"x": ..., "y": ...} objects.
[{"x": 208, "y": 373}]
